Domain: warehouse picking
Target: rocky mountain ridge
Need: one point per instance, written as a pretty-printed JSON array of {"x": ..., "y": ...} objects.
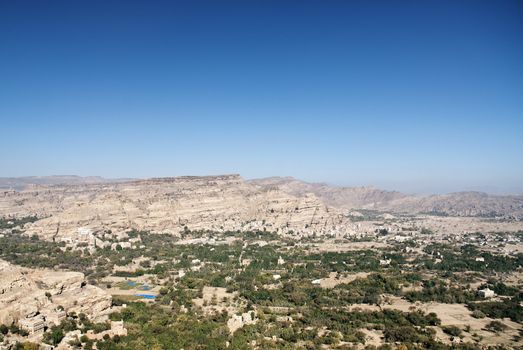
[
  {"x": 226, "y": 202},
  {"x": 451, "y": 204},
  {"x": 21, "y": 183},
  {"x": 340, "y": 197},
  {"x": 171, "y": 205}
]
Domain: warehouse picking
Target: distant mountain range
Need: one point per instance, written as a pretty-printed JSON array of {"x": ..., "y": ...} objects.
[
  {"x": 342, "y": 198},
  {"x": 452, "y": 204},
  {"x": 20, "y": 183}
]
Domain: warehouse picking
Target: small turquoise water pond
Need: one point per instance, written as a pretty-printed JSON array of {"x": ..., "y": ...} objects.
[{"x": 146, "y": 296}]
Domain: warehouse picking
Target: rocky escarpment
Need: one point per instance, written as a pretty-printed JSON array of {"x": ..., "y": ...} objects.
[
  {"x": 452, "y": 204},
  {"x": 170, "y": 205},
  {"x": 461, "y": 204},
  {"x": 26, "y": 292},
  {"x": 338, "y": 197}
]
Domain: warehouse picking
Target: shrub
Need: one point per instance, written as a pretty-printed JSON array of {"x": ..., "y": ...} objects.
[
  {"x": 496, "y": 326},
  {"x": 14, "y": 329},
  {"x": 500, "y": 309},
  {"x": 452, "y": 330},
  {"x": 478, "y": 314},
  {"x": 30, "y": 346},
  {"x": 54, "y": 337},
  {"x": 402, "y": 334}
]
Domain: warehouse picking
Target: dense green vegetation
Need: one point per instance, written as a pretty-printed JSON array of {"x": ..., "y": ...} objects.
[
  {"x": 510, "y": 308},
  {"x": 439, "y": 290},
  {"x": 153, "y": 327},
  {"x": 464, "y": 259},
  {"x": 9, "y": 223},
  {"x": 291, "y": 311}
]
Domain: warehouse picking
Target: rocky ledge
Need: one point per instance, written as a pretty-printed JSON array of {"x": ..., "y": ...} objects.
[{"x": 27, "y": 293}]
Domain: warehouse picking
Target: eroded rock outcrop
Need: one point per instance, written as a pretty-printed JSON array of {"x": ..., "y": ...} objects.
[
  {"x": 169, "y": 205},
  {"x": 25, "y": 293},
  {"x": 465, "y": 204}
]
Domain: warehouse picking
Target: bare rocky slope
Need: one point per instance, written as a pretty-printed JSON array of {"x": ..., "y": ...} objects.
[
  {"x": 452, "y": 204},
  {"x": 340, "y": 197},
  {"x": 170, "y": 205},
  {"x": 25, "y": 293},
  {"x": 461, "y": 204},
  {"x": 227, "y": 202}
]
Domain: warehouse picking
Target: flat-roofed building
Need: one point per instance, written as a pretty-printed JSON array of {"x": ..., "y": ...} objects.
[
  {"x": 33, "y": 324},
  {"x": 486, "y": 293},
  {"x": 55, "y": 317}
]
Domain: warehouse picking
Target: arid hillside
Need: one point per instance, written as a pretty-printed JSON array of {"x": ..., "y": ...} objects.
[
  {"x": 171, "y": 205},
  {"x": 340, "y": 197},
  {"x": 452, "y": 204}
]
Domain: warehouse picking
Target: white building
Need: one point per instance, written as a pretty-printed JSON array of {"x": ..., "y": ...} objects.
[
  {"x": 123, "y": 245},
  {"x": 486, "y": 293},
  {"x": 385, "y": 262}
]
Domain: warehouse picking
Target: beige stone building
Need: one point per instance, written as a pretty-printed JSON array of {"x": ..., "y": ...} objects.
[{"x": 33, "y": 324}]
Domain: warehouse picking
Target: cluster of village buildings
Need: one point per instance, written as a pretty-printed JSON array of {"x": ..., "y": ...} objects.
[
  {"x": 37, "y": 325},
  {"x": 86, "y": 237}
]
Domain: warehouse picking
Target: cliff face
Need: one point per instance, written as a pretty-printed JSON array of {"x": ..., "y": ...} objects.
[
  {"x": 452, "y": 204},
  {"x": 169, "y": 204},
  {"x": 338, "y": 197},
  {"x": 227, "y": 202},
  {"x": 23, "y": 294}
]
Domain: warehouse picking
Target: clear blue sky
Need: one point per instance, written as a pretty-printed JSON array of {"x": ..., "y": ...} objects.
[{"x": 409, "y": 95}]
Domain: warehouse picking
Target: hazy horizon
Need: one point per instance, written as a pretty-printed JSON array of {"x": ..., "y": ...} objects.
[
  {"x": 406, "y": 189},
  {"x": 419, "y": 97}
]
